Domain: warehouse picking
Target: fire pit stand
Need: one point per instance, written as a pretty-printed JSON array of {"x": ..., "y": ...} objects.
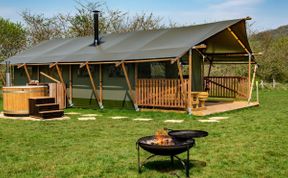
[
  {"x": 182, "y": 141},
  {"x": 171, "y": 151},
  {"x": 185, "y": 163}
]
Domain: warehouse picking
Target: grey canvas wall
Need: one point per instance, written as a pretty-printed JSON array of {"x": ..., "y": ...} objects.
[{"x": 113, "y": 81}]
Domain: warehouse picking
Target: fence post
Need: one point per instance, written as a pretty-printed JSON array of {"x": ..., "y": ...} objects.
[{"x": 257, "y": 92}]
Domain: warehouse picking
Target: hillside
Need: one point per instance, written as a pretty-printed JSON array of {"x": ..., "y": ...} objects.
[
  {"x": 274, "y": 46},
  {"x": 274, "y": 33}
]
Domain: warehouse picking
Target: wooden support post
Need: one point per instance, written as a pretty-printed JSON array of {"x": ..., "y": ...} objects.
[
  {"x": 183, "y": 91},
  {"x": 61, "y": 80},
  {"x": 49, "y": 77},
  {"x": 27, "y": 73},
  {"x": 94, "y": 86},
  {"x": 129, "y": 87},
  {"x": 238, "y": 40},
  {"x": 189, "y": 106},
  {"x": 257, "y": 91},
  {"x": 253, "y": 79},
  {"x": 38, "y": 73},
  {"x": 136, "y": 84},
  {"x": 249, "y": 54},
  {"x": 70, "y": 86},
  {"x": 249, "y": 74},
  {"x": 100, "y": 83}
]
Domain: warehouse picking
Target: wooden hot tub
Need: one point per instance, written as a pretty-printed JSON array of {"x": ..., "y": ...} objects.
[{"x": 16, "y": 98}]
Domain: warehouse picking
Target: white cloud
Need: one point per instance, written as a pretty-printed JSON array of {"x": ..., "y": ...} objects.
[{"x": 228, "y": 4}]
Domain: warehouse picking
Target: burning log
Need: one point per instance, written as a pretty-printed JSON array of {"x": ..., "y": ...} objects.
[{"x": 161, "y": 138}]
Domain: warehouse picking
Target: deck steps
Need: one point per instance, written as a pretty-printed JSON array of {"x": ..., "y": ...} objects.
[
  {"x": 51, "y": 114},
  {"x": 44, "y": 108}
]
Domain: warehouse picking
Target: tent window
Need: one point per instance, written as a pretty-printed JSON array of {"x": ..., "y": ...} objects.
[
  {"x": 30, "y": 71},
  {"x": 82, "y": 72},
  {"x": 157, "y": 70},
  {"x": 114, "y": 71}
]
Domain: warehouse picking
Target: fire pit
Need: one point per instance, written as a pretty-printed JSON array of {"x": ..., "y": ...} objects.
[{"x": 162, "y": 144}]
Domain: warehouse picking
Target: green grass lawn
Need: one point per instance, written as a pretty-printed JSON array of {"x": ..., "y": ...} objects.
[{"x": 251, "y": 143}]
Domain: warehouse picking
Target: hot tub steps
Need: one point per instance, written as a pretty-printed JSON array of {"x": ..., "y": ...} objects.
[
  {"x": 44, "y": 107},
  {"x": 47, "y": 107},
  {"x": 51, "y": 114},
  {"x": 42, "y": 100}
]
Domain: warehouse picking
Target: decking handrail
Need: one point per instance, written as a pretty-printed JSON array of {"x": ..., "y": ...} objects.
[
  {"x": 161, "y": 93},
  {"x": 226, "y": 86}
]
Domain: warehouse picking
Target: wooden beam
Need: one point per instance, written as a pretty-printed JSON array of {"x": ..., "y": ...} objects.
[
  {"x": 100, "y": 83},
  {"x": 234, "y": 54},
  {"x": 27, "y": 73},
  {"x": 53, "y": 65},
  {"x": 238, "y": 40},
  {"x": 249, "y": 74},
  {"x": 83, "y": 64},
  {"x": 182, "y": 81},
  {"x": 129, "y": 87},
  {"x": 201, "y": 46},
  {"x": 38, "y": 73},
  {"x": 94, "y": 87},
  {"x": 20, "y": 65},
  {"x": 118, "y": 63},
  {"x": 147, "y": 60},
  {"x": 174, "y": 60},
  {"x": 70, "y": 86},
  {"x": 221, "y": 62},
  {"x": 136, "y": 78},
  {"x": 49, "y": 77},
  {"x": 60, "y": 74},
  {"x": 253, "y": 79},
  {"x": 189, "y": 106},
  {"x": 61, "y": 80}
]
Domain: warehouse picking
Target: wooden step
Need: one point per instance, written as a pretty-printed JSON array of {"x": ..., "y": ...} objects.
[
  {"x": 51, "y": 114},
  {"x": 47, "y": 107},
  {"x": 42, "y": 100}
]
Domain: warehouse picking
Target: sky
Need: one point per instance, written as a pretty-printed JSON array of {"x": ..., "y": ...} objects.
[{"x": 266, "y": 14}]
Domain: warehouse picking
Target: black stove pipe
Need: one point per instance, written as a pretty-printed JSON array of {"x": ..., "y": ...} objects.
[{"x": 96, "y": 28}]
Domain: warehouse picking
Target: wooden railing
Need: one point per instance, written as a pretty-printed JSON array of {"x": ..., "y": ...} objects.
[
  {"x": 161, "y": 93},
  {"x": 226, "y": 87}
]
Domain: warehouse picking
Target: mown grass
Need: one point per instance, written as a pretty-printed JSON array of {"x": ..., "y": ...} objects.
[{"x": 251, "y": 143}]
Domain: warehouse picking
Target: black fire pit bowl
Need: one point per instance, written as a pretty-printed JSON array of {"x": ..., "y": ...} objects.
[
  {"x": 187, "y": 134},
  {"x": 179, "y": 146},
  {"x": 165, "y": 150}
]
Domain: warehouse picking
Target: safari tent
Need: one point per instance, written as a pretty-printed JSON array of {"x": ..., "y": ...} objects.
[{"x": 150, "y": 69}]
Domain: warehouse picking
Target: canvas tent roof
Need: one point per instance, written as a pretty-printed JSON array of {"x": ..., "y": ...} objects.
[{"x": 152, "y": 44}]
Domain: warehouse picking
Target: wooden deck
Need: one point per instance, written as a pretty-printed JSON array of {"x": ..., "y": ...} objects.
[
  {"x": 174, "y": 95},
  {"x": 213, "y": 108}
]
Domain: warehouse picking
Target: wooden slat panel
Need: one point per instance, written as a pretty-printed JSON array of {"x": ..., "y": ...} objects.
[
  {"x": 227, "y": 86},
  {"x": 161, "y": 92}
]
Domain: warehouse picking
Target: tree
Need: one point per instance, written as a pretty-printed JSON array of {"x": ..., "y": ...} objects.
[
  {"x": 12, "y": 38},
  {"x": 41, "y": 28},
  {"x": 274, "y": 61}
]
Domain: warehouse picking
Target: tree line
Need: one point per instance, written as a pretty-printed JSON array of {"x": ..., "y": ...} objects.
[{"x": 15, "y": 37}]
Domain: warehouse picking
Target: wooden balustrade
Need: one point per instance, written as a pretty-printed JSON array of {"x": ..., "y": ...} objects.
[
  {"x": 161, "y": 93},
  {"x": 227, "y": 86}
]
